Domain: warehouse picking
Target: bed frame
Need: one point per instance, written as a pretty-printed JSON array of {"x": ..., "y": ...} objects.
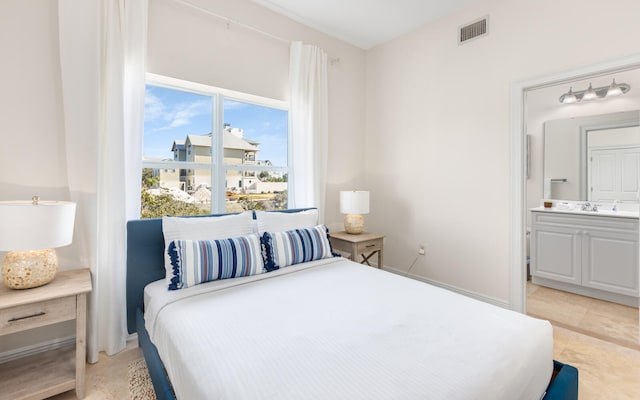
[{"x": 145, "y": 264}]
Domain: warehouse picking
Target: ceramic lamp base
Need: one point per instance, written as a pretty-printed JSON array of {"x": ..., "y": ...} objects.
[
  {"x": 353, "y": 223},
  {"x": 29, "y": 269}
]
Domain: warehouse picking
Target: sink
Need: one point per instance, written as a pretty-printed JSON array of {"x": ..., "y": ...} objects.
[
  {"x": 602, "y": 212},
  {"x": 614, "y": 213}
]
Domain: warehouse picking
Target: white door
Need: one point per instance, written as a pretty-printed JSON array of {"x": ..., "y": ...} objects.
[
  {"x": 630, "y": 161},
  {"x": 614, "y": 175}
]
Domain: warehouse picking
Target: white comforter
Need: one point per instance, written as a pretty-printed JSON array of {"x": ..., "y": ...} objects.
[{"x": 333, "y": 329}]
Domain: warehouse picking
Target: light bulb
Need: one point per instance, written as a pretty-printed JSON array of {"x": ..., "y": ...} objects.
[
  {"x": 614, "y": 89},
  {"x": 589, "y": 94},
  {"x": 568, "y": 97}
]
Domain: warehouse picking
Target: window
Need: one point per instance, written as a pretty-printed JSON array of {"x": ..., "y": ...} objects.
[{"x": 208, "y": 150}]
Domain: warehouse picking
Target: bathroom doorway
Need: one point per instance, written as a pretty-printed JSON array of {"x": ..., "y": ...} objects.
[{"x": 599, "y": 318}]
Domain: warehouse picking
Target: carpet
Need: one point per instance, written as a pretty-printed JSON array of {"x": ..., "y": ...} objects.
[{"x": 140, "y": 386}]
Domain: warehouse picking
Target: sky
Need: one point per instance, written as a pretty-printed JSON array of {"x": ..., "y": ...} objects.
[{"x": 172, "y": 115}]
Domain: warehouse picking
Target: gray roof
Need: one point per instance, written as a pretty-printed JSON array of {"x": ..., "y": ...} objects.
[
  {"x": 177, "y": 144},
  {"x": 230, "y": 141}
]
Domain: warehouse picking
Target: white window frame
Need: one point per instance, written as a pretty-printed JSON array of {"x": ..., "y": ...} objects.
[{"x": 218, "y": 174}]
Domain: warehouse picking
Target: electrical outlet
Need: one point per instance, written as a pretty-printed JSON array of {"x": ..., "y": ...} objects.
[{"x": 421, "y": 250}]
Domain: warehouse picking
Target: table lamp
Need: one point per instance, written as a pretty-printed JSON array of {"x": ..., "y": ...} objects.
[
  {"x": 29, "y": 231},
  {"x": 354, "y": 203}
]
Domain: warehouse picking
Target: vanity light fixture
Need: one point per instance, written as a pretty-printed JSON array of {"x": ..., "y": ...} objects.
[{"x": 591, "y": 93}]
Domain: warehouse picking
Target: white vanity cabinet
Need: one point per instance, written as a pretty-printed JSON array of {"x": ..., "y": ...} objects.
[
  {"x": 556, "y": 252},
  {"x": 592, "y": 255}
]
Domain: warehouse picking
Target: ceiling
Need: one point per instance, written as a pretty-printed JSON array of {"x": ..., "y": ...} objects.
[{"x": 364, "y": 23}]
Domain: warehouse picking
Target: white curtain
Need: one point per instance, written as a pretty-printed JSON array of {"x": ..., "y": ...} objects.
[
  {"x": 102, "y": 57},
  {"x": 309, "y": 126}
]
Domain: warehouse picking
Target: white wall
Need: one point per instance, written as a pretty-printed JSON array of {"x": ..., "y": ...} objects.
[
  {"x": 437, "y": 149},
  {"x": 32, "y": 154},
  {"x": 188, "y": 44}
]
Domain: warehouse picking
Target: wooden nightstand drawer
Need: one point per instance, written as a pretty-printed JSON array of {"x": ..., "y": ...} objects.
[
  {"x": 368, "y": 246},
  {"x": 359, "y": 246},
  {"x": 28, "y": 316}
]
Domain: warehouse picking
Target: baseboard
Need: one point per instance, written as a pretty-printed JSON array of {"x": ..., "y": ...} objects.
[
  {"x": 36, "y": 348},
  {"x": 464, "y": 292},
  {"x": 626, "y": 300}
]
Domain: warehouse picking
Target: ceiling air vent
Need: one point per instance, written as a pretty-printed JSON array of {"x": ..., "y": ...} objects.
[{"x": 474, "y": 30}]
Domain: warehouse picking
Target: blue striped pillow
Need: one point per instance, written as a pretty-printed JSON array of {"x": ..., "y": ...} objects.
[
  {"x": 198, "y": 261},
  {"x": 281, "y": 249}
]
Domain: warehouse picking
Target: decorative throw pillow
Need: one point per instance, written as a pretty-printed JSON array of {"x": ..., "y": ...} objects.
[
  {"x": 198, "y": 261},
  {"x": 203, "y": 228},
  {"x": 285, "y": 221},
  {"x": 281, "y": 249}
]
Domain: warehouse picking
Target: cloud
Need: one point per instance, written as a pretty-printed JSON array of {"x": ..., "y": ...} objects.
[
  {"x": 183, "y": 113},
  {"x": 153, "y": 106}
]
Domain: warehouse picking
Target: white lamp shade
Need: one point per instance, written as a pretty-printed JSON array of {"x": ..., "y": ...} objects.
[
  {"x": 354, "y": 202},
  {"x": 28, "y": 226}
]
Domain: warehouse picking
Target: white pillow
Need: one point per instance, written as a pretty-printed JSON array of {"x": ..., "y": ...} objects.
[
  {"x": 282, "y": 221},
  {"x": 204, "y": 228}
]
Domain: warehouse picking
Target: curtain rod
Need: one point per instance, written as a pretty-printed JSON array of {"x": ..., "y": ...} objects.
[
  {"x": 332, "y": 60},
  {"x": 229, "y": 20}
]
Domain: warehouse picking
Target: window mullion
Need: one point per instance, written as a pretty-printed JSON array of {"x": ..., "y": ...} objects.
[{"x": 218, "y": 186}]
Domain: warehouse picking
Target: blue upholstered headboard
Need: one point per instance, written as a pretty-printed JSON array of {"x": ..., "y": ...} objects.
[{"x": 145, "y": 260}]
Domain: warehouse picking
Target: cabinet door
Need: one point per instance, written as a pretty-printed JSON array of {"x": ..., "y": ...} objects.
[
  {"x": 556, "y": 253},
  {"x": 611, "y": 262}
]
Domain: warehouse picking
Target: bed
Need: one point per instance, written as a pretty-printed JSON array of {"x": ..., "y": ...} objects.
[{"x": 330, "y": 328}]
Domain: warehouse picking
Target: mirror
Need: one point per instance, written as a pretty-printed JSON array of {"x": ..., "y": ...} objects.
[
  {"x": 593, "y": 158},
  {"x": 544, "y": 112}
]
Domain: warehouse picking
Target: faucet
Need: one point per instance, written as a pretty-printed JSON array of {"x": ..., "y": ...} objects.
[{"x": 587, "y": 207}]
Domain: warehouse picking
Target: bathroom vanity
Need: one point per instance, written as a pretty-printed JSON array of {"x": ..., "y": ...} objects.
[{"x": 589, "y": 253}]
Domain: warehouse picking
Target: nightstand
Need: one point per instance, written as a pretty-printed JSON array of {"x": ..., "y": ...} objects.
[
  {"x": 365, "y": 244},
  {"x": 55, "y": 371}
]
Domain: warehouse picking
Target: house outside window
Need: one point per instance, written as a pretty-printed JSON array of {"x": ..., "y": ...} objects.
[{"x": 200, "y": 140}]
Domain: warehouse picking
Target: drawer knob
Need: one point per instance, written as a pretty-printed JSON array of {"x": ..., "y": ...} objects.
[
  {"x": 27, "y": 317},
  {"x": 370, "y": 245}
]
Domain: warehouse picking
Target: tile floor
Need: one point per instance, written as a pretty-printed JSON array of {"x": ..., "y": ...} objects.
[
  {"x": 108, "y": 379},
  {"x": 606, "y": 371},
  {"x": 600, "y": 338},
  {"x": 598, "y": 318},
  {"x": 609, "y": 368}
]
